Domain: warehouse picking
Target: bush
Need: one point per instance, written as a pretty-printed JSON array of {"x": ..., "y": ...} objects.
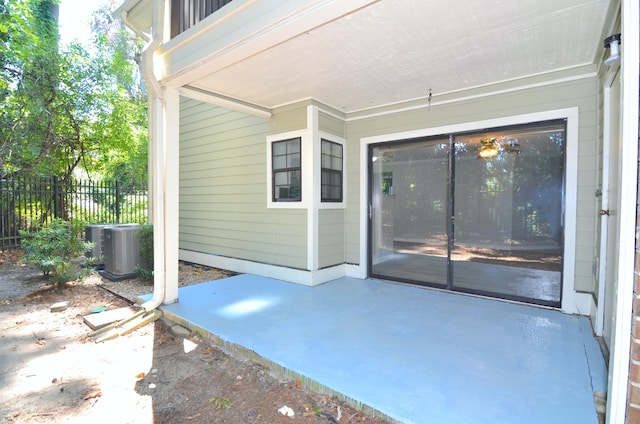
[
  {"x": 57, "y": 250},
  {"x": 145, "y": 236}
]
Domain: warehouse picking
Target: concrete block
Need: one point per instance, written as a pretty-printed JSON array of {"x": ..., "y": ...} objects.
[
  {"x": 102, "y": 319},
  {"x": 60, "y": 306}
]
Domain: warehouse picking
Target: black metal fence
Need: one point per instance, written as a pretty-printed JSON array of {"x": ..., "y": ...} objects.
[{"x": 28, "y": 201}]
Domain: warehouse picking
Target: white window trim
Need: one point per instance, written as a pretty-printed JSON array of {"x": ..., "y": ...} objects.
[
  {"x": 318, "y": 183},
  {"x": 572, "y": 302},
  {"x": 306, "y": 169}
]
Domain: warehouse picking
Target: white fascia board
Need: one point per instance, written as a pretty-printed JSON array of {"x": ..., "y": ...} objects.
[
  {"x": 125, "y": 7},
  {"x": 224, "y": 101},
  {"x": 137, "y": 15}
]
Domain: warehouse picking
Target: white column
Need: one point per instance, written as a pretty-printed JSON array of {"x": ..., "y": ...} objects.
[
  {"x": 164, "y": 131},
  {"x": 312, "y": 175},
  {"x": 171, "y": 192},
  {"x": 621, "y": 337}
]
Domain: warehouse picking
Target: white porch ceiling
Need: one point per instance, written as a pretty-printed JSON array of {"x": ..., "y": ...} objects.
[{"x": 397, "y": 50}]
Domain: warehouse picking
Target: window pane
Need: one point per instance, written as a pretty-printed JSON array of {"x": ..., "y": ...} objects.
[
  {"x": 293, "y": 146},
  {"x": 331, "y": 175},
  {"x": 337, "y": 150},
  {"x": 281, "y": 178},
  {"x": 279, "y": 148},
  {"x": 293, "y": 160},
  {"x": 286, "y": 169},
  {"x": 282, "y": 192},
  {"x": 279, "y": 162},
  {"x": 294, "y": 177},
  {"x": 337, "y": 164},
  {"x": 326, "y": 147},
  {"x": 335, "y": 193},
  {"x": 335, "y": 180}
]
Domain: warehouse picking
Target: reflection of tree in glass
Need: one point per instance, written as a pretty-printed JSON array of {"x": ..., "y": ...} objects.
[
  {"x": 537, "y": 186},
  {"x": 513, "y": 197}
]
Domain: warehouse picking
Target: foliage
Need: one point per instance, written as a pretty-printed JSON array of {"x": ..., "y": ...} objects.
[
  {"x": 317, "y": 410},
  {"x": 66, "y": 109},
  {"x": 57, "y": 250},
  {"x": 145, "y": 237},
  {"x": 221, "y": 403}
]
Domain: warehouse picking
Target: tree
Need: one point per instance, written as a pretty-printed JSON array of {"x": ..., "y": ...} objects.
[
  {"x": 28, "y": 56},
  {"x": 71, "y": 108}
]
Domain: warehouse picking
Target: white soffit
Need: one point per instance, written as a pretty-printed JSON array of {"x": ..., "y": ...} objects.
[
  {"x": 396, "y": 50},
  {"x": 138, "y": 13}
]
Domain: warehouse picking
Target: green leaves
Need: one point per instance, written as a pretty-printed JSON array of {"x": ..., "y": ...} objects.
[
  {"x": 57, "y": 249},
  {"x": 65, "y": 109},
  {"x": 221, "y": 403}
]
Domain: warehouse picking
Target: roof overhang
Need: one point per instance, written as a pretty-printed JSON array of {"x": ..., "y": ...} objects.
[
  {"x": 358, "y": 55},
  {"x": 137, "y": 15}
]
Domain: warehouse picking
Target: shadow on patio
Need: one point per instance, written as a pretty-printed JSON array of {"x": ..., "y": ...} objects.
[{"x": 414, "y": 355}]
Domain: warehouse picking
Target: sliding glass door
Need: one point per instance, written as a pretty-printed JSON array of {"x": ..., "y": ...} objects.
[
  {"x": 475, "y": 212},
  {"x": 408, "y": 217}
]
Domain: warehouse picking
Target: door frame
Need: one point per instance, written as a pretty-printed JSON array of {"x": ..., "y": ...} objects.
[{"x": 572, "y": 302}]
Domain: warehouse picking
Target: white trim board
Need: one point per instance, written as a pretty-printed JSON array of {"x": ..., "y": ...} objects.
[
  {"x": 621, "y": 344},
  {"x": 306, "y": 164},
  {"x": 297, "y": 276},
  {"x": 570, "y": 303},
  {"x": 405, "y": 106}
]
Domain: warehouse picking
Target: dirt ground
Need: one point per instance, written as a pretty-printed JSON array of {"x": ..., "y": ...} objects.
[{"x": 51, "y": 371}]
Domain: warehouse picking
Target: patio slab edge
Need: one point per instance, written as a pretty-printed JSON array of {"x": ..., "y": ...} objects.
[{"x": 276, "y": 370}]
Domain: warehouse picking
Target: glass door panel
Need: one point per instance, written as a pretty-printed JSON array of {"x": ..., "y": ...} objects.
[
  {"x": 409, "y": 198},
  {"x": 507, "y": 226},
  {"x": 483, "y": 216}
]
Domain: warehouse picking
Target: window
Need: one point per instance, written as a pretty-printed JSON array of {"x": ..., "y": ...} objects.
[
  {"x": 286, "y": 170},
  {"x": 387, "y": 183},
  {"x": 331, "y": 171}
]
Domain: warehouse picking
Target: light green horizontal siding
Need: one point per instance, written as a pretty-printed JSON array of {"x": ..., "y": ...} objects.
[
  {"x": 290, "y": 118},
  {"x": 331, "y": 124},
  {"x": 330, "y": 237},
  {"x": 223, "y": 187},
  {"x": 581, "y": 93}
]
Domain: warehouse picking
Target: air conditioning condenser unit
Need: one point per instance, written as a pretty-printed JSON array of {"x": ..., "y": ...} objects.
[
  {"x": 94, "y": 233},
  {"x": 121, "y": 252}
]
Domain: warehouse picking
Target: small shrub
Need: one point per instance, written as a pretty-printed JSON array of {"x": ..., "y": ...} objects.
[
  {"x": 57, "y": 250},
  {"x": 145, "y": 236}
]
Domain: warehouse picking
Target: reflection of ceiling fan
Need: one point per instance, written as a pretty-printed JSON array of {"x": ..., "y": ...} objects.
[
  {"x": 489, "y": 147},
  {"x": 512, "y": 147}
]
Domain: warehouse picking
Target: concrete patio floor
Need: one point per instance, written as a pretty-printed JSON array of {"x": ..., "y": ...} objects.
[{"x": 415, "y": 355}]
